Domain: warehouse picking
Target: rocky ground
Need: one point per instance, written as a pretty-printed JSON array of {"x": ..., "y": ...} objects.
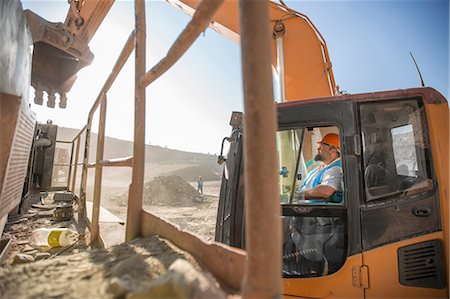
[
  {"x": 145, "y": 268},
  {"x": 20, "y": 227}
]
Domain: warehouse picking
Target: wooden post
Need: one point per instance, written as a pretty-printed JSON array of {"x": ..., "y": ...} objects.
[
  {"x": 262, "y": 206},
  {"x": 134, "y": 212},
  {"x": 95, "y": 227}
]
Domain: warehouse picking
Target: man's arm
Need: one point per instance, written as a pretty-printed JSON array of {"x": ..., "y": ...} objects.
[
  {"x": 331, "y": 182},
  {"x": 320, "y": 192}
]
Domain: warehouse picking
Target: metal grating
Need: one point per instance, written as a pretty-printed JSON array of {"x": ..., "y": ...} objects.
[
  {"x": 18, "y": 161},
  {"x": 422, "y": 265}
]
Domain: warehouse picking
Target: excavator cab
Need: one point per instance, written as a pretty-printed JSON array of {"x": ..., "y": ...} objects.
[
  {"x": 312, "y": 245},
  {"x": 387, "y": 225}
]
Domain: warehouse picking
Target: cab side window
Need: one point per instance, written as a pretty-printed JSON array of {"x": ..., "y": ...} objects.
[
  {"x": 394, "y": 149},
  {"x": 310, "y": 157}
]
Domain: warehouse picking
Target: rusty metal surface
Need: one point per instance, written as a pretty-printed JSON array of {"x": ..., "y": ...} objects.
[
  {"x": 98, "y": 171},
  {"x": 224, "y": 262},
  {"x": 17, "y": 122},
  {"x": 263, "y": 268},
  {"x": 200, "y": 21},
  {"x": 134, "y": 211}
]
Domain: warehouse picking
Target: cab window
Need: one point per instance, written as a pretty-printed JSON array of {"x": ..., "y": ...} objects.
[
  {"x": 394, "y": 149},
  {"x": 310, "y": 157},
  {"x": 313, "y": 230}
]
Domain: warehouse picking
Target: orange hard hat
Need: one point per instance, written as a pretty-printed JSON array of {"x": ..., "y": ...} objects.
[{"x": 331, "y": 139}]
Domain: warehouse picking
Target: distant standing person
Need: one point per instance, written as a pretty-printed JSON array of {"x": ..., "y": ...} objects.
[{"x": 200, "y": 185}]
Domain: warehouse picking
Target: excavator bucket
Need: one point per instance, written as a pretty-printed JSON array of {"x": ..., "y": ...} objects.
[{"x": 57, "y": 57}]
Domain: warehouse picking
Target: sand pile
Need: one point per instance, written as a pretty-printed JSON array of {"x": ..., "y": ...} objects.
[{"x": 170, "y": 191}]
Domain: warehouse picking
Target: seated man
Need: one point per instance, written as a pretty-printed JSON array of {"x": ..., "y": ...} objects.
[
  {"x": 316, "y": 235},
  {"x": 326, "y": 179}
]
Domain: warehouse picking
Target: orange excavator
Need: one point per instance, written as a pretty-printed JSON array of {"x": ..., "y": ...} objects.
[{"x": 387, "y": 233}]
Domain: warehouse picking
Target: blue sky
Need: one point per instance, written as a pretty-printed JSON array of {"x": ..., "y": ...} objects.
[
  {"x": 190, "y": 106},
  {"x": 369, "y": 42}
]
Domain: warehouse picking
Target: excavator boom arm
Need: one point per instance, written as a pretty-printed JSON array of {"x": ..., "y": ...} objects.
[
  {"x": 300, "y": 55},
  {"x": 84, "y": 17},
  {"x": 307, "y": 67}
]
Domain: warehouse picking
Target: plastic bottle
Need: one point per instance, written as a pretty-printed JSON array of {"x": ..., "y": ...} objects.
[{"x": 53, "y": 237}]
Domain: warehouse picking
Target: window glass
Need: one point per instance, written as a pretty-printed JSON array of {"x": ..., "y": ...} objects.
[
  {"x": 288, "y": 144},
  {"x": 405, "y": 156},
  {"x": 302, "y": 169},
  {"x": 394, "y": 149}
]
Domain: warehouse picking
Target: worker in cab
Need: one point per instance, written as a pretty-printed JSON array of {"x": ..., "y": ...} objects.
[
  {"x": 319, "y": 241},
  {"x": 324, "y": 183}
]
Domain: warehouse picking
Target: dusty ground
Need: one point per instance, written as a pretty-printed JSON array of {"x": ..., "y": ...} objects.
[{"x": 145, "y": 268}]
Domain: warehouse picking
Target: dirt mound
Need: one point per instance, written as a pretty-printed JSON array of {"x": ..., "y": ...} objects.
[{"x": 170, "y": 191}]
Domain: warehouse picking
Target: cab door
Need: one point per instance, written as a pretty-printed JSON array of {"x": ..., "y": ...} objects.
[
  {"x": 321, "y": 240},
  {"x": 402, "y": 238}
]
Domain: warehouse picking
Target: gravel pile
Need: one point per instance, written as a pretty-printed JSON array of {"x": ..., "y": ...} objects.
[{"x": 170, "y": 191}]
